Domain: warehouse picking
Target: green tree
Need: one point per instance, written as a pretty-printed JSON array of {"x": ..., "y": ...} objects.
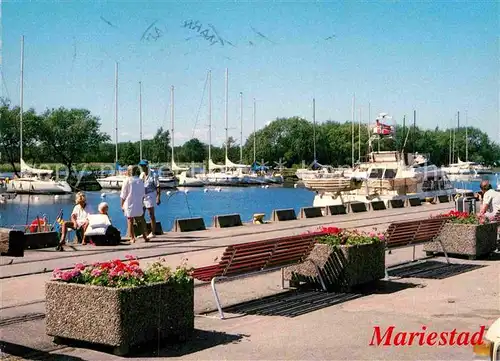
[
  {"x": 10, "y": 134},
  {"x": 193, "y": 151},
  {"x": 70, "y": 135},
  {"x": 160, "y": 147}
]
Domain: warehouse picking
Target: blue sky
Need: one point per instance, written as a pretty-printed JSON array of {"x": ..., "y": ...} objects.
[{"x": 436, "y": 57}]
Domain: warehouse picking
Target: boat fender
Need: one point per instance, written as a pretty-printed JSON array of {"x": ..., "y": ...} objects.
[{"x": 34, "y": 225}]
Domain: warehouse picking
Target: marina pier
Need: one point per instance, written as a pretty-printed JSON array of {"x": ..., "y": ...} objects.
[{"x": 420, "y": 292}]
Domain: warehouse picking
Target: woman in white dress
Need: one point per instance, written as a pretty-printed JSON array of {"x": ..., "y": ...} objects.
[{"x": 132, "y": 197}]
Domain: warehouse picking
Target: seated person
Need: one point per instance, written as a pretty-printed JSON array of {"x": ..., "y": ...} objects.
[
  {"x": 100, "y": 228},
  {"x": 79, "y": 219},
  {"x": 491, "y": 201}
]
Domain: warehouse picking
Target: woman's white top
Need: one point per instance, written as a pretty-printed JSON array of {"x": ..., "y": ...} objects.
[
  {"x": 132, "y": 193},
  {"x": 81, "y": 214}
]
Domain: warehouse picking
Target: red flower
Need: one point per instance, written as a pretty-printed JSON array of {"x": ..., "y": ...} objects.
[{"x": 331, "y": 230}]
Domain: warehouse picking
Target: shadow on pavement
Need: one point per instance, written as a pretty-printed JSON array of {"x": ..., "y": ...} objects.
[
  {"x": 200, "y": 340},
  {"x": 433, "y": 270},
  {"x": 382, "y": 287},
  {"x": 291, "y": 304},
  {"x": 13, "y": 349}
]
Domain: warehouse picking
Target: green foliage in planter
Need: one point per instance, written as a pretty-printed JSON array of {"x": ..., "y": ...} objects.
[
  {"x": 338, "y": 236},
  {"x": 119, "y": 274}
]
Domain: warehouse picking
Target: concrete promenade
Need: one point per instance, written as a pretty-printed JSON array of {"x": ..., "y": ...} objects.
[{"x": 265, "y": 322}]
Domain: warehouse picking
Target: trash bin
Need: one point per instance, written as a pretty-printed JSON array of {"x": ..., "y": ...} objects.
[{"x": 466, "y": 204}]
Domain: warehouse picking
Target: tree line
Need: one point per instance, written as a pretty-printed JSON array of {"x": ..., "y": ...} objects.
[{"x": 73, "y": 137}]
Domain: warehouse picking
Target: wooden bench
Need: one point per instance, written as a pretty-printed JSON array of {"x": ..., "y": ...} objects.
[
  {"x": 411, "y": 233},
  {"x": 247, "y": 259}
]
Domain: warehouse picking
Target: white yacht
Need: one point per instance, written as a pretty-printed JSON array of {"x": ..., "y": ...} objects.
[
  {"x": 36, "y": 181},
  {"x": 467, "y": 168},
  {"x": 389, "y": 175}
]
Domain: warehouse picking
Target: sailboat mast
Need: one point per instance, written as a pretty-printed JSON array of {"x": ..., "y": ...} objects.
[
  {"x": 466, "y": 138},
  {"x": 314, "y": 128},
  {"x": 453, "y": 150},
  {"x": 359, "y": 141},
  {"x": 450, "y": 155},
  {"x": 226, "y": 119},
  {"x": 368, "y": 128},
  {"x": 458, "y": 131},
  {"x": 209, "y": 115},
  {"x": 352, "y": 129},
  {"x": 116, "y": 115},
  {"x": 414, "y": 128},
  {"x": 21, "y": 94},
  {"x": 254, "y": 132},
  {"x": 241, "y": 127},
  {"x": 140, "y": 120},
  {"x": 172, "y": 123}
]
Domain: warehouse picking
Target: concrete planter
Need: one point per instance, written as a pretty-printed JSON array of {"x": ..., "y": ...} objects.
[
  {"x": 341, "y": 267},
  {"x": 466, "y": 239},
  {"x": 119, "y": 317}
]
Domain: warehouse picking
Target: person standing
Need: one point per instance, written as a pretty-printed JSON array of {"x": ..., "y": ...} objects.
[
  {"x": 132, "y": 197},
  {"x": 152, "y": 193}
]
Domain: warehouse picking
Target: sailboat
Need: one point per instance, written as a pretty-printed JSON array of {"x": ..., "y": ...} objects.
[
  {"x": 216, "y": 174},
  {"x": 317, "y": 170},
  {"x": 32, "y": 180},
  {"x": 185, "y": 179},
  {"x": 115, "y": 181}
]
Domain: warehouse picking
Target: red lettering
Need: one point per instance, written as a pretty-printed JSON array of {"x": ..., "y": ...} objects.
[
  {"x": 422, "y": 335},
  {"x": 452, "y": 338},
  {"x": 377, "y": 338},
  {"x": 443, "y": 338},
  {"x": 463, "y": 338},
  {"x": 400, "y": 339},
  {"x": 479, "y": 339},
  {"x": 412, "y": 336},
  {"x": 431, "y": 338}
]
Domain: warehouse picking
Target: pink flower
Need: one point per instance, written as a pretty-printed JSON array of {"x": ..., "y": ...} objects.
[
  {"x": 96, "y": 272},
  {"x": 130, "y": 257},
  {"x": 80, "y": 266}
]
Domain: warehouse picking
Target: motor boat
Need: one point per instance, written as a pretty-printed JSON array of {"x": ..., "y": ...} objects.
[
  {"x": 385, "y": 176},
  {"x": 36, "y": 181}
]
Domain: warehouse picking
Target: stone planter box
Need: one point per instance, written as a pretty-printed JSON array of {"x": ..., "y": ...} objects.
[
  {"x": 119, "y": 317},
  {"x": 466, "y": 239},
  {"x": 341, "y": 267}
]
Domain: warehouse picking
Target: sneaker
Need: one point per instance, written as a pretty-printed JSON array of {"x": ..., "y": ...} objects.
[{"x": 151, "y": 235}]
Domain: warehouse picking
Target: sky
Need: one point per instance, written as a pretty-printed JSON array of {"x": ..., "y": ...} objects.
[{"x": 435, "y": 57}]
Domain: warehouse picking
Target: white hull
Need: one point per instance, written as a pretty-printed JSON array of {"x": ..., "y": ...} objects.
[
  {"x": 190, "y": 182},
  {"x": 167, "y": 182},
  {"x": 112, "y": 182},
  {"x": 329, "y": 199},
  {"x": 37, "y": 186}
]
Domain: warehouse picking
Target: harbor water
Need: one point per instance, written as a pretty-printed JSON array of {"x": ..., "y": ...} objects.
[{"x": 183, "y": 203}]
